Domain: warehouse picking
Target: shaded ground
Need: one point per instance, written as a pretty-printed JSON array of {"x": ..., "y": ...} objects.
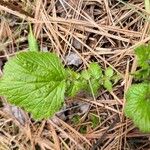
[{"x": 105, "y": 31}]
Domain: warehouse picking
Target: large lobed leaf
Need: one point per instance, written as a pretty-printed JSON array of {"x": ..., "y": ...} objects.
[
  {"x": 36, "y": 82},
  {"x": 138, "y": 105}
]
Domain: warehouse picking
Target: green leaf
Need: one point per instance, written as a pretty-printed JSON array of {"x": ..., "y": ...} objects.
[
  {"x": 72, "y": 75},
  {"x": 95, "y": 70},
  {"x": 115, "y": 78},
  {"x": 138, "y": 106},
  {"x": 83, "y": 129},
  {"x": 75, "y": 83},
  {"x": 33, "y": 45},
  {"x": 95, "y": 85},
  {"x": 75, "y": 119},
  {"x": 36, "y": 82},
  {"x": 92, "y": 76},
  {"x": 85, "y": 74},
  {"x": 108, "y": 84},
  {"x": 142, "y": 74},
  {"x": 109, "y": 72},
  {"x": 143, "y": 56},
  {"x": 75, "y": 87},
  {"x": 95, "y": 120}
]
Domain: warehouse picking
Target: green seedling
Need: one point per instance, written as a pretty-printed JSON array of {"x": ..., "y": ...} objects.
[
  {"x": 110, "y": 78},
  {"x": 138, "y": 96},
  {"x": 83, "y": 129},
  {"x": 107, "y": 80},
  {"x": 75, "y": 119},
  {"x": 38, "y": 82},
  {"x": 95, "y": 120}
]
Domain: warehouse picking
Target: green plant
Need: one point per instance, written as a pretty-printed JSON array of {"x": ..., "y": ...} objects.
[
  {"x": 138, "y": 96},
  {"x": 95, "y": 120},
  {"x": 38, "y": 81},
  {"x": 83, "y": 129},
  {"x": 75, "y": 119}
]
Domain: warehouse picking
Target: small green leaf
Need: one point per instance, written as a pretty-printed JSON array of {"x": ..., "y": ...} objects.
[
  {"x": 76, "y": 119},
  {"x": 142, "y": 74},
  {"x": 95, "y": 70},
  {"x": 138, "y": 106},
  {"x": 83, "y": 129},
  {"x": 108, "y": 84},
  {"x": 75, "y": 87},
  {"x": 33, "y": 45},
  {"x": 143, "y": 56},
  {"x": 36, "y": 82},
  {"x": 95, "y": 85},
  {"x": 72, "y": 75},
  {"x": 115, "y": 78},
  {"x": 109, "y": 72},
  {"x": 85, "y": 74},
  {"x": 95, "y": 120}
]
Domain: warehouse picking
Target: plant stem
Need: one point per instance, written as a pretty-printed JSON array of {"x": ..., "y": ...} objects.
[
  {"x": 147, "y": 5},
  {"x": 147, "y": 8}
]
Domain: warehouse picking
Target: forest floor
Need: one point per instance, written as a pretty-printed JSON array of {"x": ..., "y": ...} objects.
[{"x": 103, "y": 31}]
